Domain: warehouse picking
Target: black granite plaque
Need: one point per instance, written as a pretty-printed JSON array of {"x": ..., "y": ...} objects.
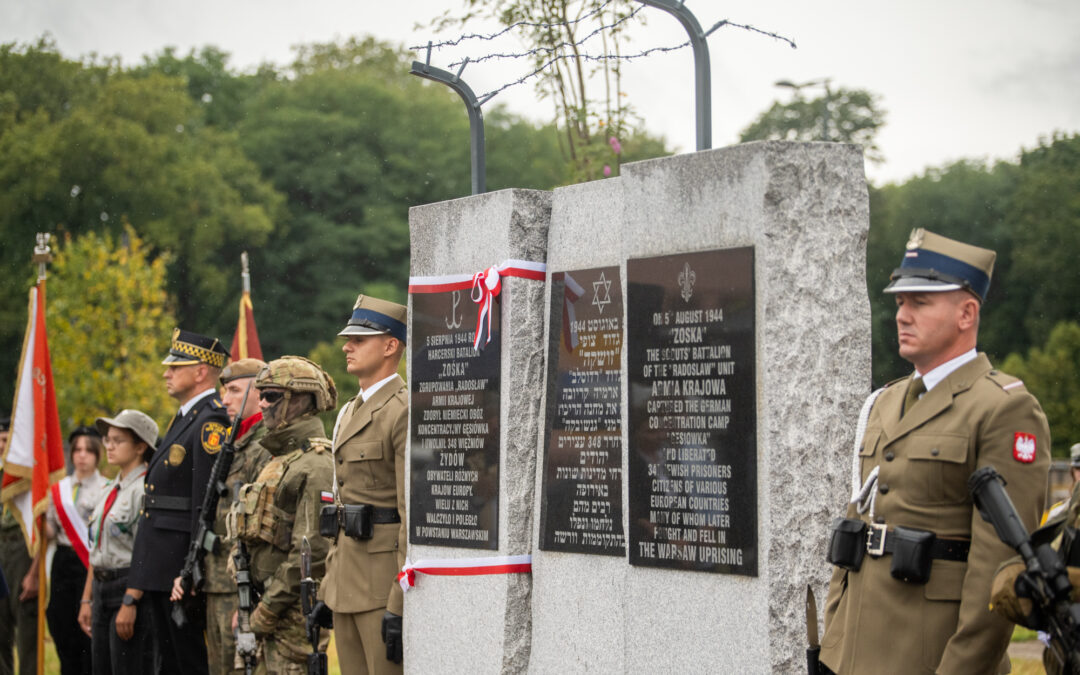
[
  {"x": 581, "y": 504},
  {"x": 454, "y": 428},
  {"x": 693, "y": 453}
]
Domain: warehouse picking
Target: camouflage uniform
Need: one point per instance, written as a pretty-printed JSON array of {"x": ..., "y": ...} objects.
[
  {"x": 274, "y": 514},
  {"x": 1003, "y": 598},
  {"x": 220, "y": 588}
]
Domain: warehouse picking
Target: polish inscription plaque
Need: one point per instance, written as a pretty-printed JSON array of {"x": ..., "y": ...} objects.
[
  {"x": 693, "y": 412},
  {"x": 454, "y": 425},
  {"x": 581, "y": 503}
]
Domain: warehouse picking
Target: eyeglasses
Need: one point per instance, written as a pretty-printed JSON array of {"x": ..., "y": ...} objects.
[{"x": 271, "y": 396}]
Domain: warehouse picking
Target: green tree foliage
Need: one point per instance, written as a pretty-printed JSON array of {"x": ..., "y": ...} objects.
[
  {"x": 353, "y": 142},
  {"x": 123, "y": 148},
  {"x": 853, "y": 116},
  {"x": 1044, "y": 216},
  {"x": 1052, "y": 374},
  {"x": 109, "y": 323}
]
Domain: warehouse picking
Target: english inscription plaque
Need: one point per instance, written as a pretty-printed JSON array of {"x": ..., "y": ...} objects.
[
  {"x": 693, "y": 420},
  {"x": 581, "y": 504},
  {"x": 454, "y": 427}
]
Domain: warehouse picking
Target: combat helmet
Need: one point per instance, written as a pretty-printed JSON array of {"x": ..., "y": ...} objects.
[{"x": 297, "y": 374}]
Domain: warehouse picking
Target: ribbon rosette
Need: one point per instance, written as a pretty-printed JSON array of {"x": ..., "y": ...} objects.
[{"x": 485, "y": 285}]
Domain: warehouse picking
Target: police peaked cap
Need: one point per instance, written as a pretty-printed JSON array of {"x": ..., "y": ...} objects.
[
  {"x": 933, "y": 263},
  {"x": 372, "y": 316},
  {"x": 190, "y": 348}
]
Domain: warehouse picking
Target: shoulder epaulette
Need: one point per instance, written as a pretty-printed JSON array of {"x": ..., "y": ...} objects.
[
  {"x": 320, "y": 444},
  {"x": 1004, "y": 380},
  {"x": 216, "y": 403}
]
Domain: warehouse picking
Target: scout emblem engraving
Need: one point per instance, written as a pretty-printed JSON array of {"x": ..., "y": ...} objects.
[
  {"x": 686, "y": 282},
  {"x": 176, "y": 454}
]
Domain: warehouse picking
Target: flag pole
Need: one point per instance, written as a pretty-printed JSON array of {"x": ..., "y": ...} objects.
[
  {"x": 245, "y": 273},
  {"x": 42, "y": 256}
]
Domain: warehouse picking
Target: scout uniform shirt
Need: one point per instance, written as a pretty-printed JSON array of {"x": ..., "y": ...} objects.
[
  {"x": 112, "y": 534},
  {"x": 976, "y": 416}
]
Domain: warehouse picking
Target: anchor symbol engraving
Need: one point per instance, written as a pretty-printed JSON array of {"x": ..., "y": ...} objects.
[{"x": 454, "y": 321}]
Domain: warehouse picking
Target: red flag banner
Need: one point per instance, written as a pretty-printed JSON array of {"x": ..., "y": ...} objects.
[
  {"x": 245, "y": 342},
  {"x": 34, "y": 458}
]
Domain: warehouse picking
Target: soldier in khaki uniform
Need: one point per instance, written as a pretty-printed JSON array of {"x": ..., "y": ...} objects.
[
  {"x": 220, "y": 588},
  {"x": 274, "y": 513},
  {"x": 895, "y": 611},
  {"x": 369, "y": 457}
]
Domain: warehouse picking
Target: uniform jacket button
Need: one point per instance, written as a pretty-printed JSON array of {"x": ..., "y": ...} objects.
[
  {"x": 340, "y": 460},
  {"x": 884, "y": 489},
  {"x": 341, "y": 481},
  {"x": 935, "y": 452},
  {"x": 889, "y": 456}
]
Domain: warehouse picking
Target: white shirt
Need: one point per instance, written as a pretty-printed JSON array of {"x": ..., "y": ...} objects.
[
  {"x": 184, "y": 409},
  {"x": 365, "y": 394},
  {"x": 935, "y": 376}
]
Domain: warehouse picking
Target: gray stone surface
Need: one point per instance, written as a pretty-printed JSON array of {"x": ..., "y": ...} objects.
[
  {"x": 804, "y": 208},
  {"x": 481, "y": 624}
]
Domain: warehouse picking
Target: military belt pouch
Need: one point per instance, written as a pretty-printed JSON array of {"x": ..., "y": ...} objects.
[
  {"x": 164, "y": 503},
  {"x": 359, "y": 519},
  {"x": 847, "y": 545},
  {"x": 911, "y": 554},
  {"x": 329, "y": 521}
]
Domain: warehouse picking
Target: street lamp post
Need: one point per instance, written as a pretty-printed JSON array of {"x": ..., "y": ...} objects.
[{"x": 825, "y": 82}]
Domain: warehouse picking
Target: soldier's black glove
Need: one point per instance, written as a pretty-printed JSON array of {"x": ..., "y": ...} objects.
[
  {"x": 321, "y": 616},
  {"x": 391, "y": 635}
]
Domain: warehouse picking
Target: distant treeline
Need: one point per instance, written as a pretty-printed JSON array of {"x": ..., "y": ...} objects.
[{"x": 312, "y": 168}]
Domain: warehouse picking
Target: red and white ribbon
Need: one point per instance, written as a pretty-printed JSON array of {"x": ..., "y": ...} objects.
[
  {"x": 74, "y": 527},
  {"x": 485, "y": 285},
  {"x": 572, "y": 292},
  {"x": 464, "y": 567}
]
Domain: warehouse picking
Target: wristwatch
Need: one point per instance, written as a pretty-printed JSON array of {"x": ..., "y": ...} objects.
[{"x": 129, "y": 600}]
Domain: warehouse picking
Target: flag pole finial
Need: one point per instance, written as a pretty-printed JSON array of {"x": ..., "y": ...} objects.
[
  {"x": 245, "y": 274},
  {"x": 42, "y": 253}
]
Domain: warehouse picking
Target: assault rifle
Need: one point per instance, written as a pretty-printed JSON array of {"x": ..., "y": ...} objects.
[
  {"x": 247, "y": 596},
  {"x": 316, "y": 660},
  {"x": 1045, "y": 581},
  {"x": 203, "y": 539}
]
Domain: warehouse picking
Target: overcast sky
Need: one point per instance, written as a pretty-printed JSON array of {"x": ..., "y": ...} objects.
[{"x": 959, "y": 79}]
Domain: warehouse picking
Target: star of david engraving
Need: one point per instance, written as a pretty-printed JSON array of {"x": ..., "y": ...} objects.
[
  {"x": 597, "y": 301},
  {"x": 686, "y": 282}
]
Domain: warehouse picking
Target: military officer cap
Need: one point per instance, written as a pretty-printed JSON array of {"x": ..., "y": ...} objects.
[
  {"x": 190, "y": 348},
  {"x": 138, "y": 423},
  {"x": 372, "y": 316},
  {"x": 1074, "y": 456},
  {"x": 241, "y": 369},
  {"x": 934, "y": 263}
]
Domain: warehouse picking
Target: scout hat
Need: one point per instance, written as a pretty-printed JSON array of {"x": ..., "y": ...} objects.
[
  {"x": 935, "y": 263},
  {"x": 372, "y": 316},
  {"x": 240, "y": 369},
  {"x": 138, "y": 423},
  {"x": 1074, "y": 456},
  {"x": 190, "y": 348}
]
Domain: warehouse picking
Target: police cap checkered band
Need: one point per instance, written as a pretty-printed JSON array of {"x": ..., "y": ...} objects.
[{"x": 190, "y": 348}]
